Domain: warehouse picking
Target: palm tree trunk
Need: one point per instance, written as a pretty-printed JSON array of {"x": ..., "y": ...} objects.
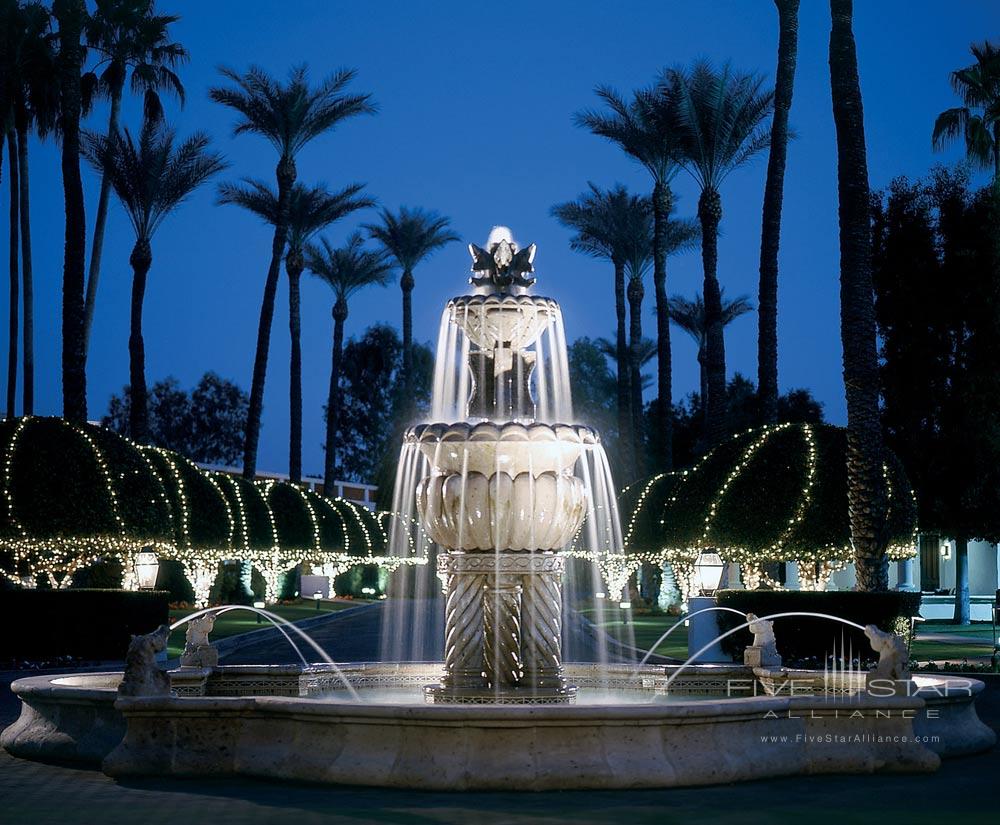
[
  {"x": 625, "y": 434},
  {"x": 406, "y": 283},
  {"x": 100, "y": 221},
  {"x": 702, "y": 374},
  {"x": 770, "y": 237},
  {"x": 962, "y": 609},
  {"x": 70, "y": 14},
  {"x": 636, "y": 293},
  {"x": 710, "y": 215},
  {"x": 664, "y": 414},
  {"x": 27, "y": 276},
  {"x": 286, "y": 179},
  {"x": 866, "y": 492},
  {"x": 294, "y": 268},
  {"x": 14, "y": 277},
  {"x": 333, "y": 398},
  {"x": 141, "y": 259}
]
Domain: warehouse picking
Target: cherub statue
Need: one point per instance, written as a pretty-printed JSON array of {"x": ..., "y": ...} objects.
[
  {"x": 893, "y": 659},
  {"x": 142, "y": 677},
  {"x": 198, "y": 651},
  {"x": 764, "y": 650}
]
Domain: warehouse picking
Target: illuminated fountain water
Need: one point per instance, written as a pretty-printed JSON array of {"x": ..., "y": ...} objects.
[{"x": 502, "y": 481}]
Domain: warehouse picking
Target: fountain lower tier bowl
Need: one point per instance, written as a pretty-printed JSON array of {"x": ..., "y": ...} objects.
[
  {"x": 511, "y": 448},
  {"x": 501, "y": 512},
  {"x": 626, "y": 729},
  {"x": 513, "y": 321}
]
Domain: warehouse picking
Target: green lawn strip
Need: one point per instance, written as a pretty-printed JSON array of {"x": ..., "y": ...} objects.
[
  {"x": 643, "y": 630},
  {"x": 235, "y": 622}
]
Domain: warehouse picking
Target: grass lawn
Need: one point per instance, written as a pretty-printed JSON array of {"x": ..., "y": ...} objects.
[
  {"x": 242, "y": 621},
  {"x": 643, "y": 630}
]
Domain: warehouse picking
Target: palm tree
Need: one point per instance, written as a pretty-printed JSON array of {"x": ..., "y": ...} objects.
[
  {"x": 310, "y": 210},
  {"x": 643, "y": 130},
  {"x": 770, "y": 236},
  {"x": 866, "y": 494},
  {"x": 600, "y": 219},
  {"x": 151, "y": 177},
  {"x": 689, "y": 315},
  {"x": 410, "y": 236},
  {"x": 71, "y": 16},
  {"x": 288, "y": 115},
  {"x": 13, "y": 275},
  {"x": 979, "y": 87},
  {"x": 717, "y": 118},
  {"x": 32, "y": 95},
  {"x": 127, "y": 36},
  {"x": 647, "y": 352},
  {"x": 346, "y": 270}
]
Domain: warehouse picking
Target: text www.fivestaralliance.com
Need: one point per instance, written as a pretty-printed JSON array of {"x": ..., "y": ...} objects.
[{"x": 845, "y": 739}]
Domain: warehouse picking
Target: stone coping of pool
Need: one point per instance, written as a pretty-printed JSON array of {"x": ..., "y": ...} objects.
[{"x": 701, "y": 741}]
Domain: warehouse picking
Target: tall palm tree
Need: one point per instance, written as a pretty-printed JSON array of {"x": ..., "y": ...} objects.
[
  {"x": 71, "y": 16},
  {"x": 410, "y": 236},
  {"x": 127, "y": 36},
  {"x": 151, "y": 177},
  {"x": 717, "y": 117},
  {"x": 310, "y": 210},
  {"x": 32, "y": 94},
  {"x": 346, "y": 270},
  {"x": 770, "y": 235},
  {"x": 288, "y": 115},
  {"x": 977, "y": 121},
  {"x": 866, "y": 493},
  {"x": 689, "y": 316},
  {"x": 600, "y": 219},
  {"x": 647, "y": 352},
  {"x": 15, "y": 280},
  {"x": 642, "y": 128}
]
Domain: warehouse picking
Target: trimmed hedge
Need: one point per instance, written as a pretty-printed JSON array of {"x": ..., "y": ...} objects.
[
  {"x": 88, "y": 624},
  {"x": 807, "y": 640},
  {"x": 754, "y": 500}
]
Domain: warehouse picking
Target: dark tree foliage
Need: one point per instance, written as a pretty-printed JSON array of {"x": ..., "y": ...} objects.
[
  {"x": 374, "y": 409},
  {"x": 745, "y": 410},
  {"x": 207, "y": 425},
  {"x": 937, "y": 285}
]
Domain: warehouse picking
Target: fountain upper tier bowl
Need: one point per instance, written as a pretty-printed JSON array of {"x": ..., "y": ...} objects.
[{"x": 500, "y": 319}]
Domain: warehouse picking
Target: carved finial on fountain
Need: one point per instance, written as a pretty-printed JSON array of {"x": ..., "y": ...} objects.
[
  {"x": 891, "y": 674},
  {"x": 502, "y": 264},
  {"x": 764, "y": 650},
  {"x": 198, "y": 651},
  {"x": 142, "y": 677}
]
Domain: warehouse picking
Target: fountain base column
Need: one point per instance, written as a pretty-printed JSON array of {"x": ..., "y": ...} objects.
[{"x": 503, "y": 628}]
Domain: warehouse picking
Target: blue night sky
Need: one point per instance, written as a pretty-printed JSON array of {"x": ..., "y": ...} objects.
[{"x": 475, "y": 120}]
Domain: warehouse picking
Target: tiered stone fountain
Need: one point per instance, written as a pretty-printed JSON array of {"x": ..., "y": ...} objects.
[
  {"x": 501, "y": 484},
  {"x": 502, "y": 497}
]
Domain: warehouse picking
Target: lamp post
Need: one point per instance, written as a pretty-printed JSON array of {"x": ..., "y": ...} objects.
[
  {"x": 147, "y": 566},
  {"x": 703, "y": 628},
  {"x": 708, "y": 569},
  {"x": 317, "y": 596},
  {"x": 259, "y": 605}
]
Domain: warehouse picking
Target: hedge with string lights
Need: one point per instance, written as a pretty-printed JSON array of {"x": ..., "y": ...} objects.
[
  {"x": 777, "y": 493},
  {"x": 72, "y": 494}
]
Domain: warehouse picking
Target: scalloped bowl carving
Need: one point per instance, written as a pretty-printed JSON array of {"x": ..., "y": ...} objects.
[
  {"x": 514, "y": 320},
  {"x": 501, "y": 512},
  {"x": 512, "y": 448}
]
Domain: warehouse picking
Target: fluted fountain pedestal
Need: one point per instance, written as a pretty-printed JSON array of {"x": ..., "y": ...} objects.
[{"x": 503, "y": 627}]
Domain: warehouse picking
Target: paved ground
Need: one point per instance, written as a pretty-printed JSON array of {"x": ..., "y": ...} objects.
[{"x": 34, "y": 794}]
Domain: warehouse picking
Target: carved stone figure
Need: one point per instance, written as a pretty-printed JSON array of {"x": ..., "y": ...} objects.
[
  {"x": 764, "y": 650},
  {"x": 198, "y": 651},
  {"x": 893, "y": 659},
  {"x": 142, "y": 676}
]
